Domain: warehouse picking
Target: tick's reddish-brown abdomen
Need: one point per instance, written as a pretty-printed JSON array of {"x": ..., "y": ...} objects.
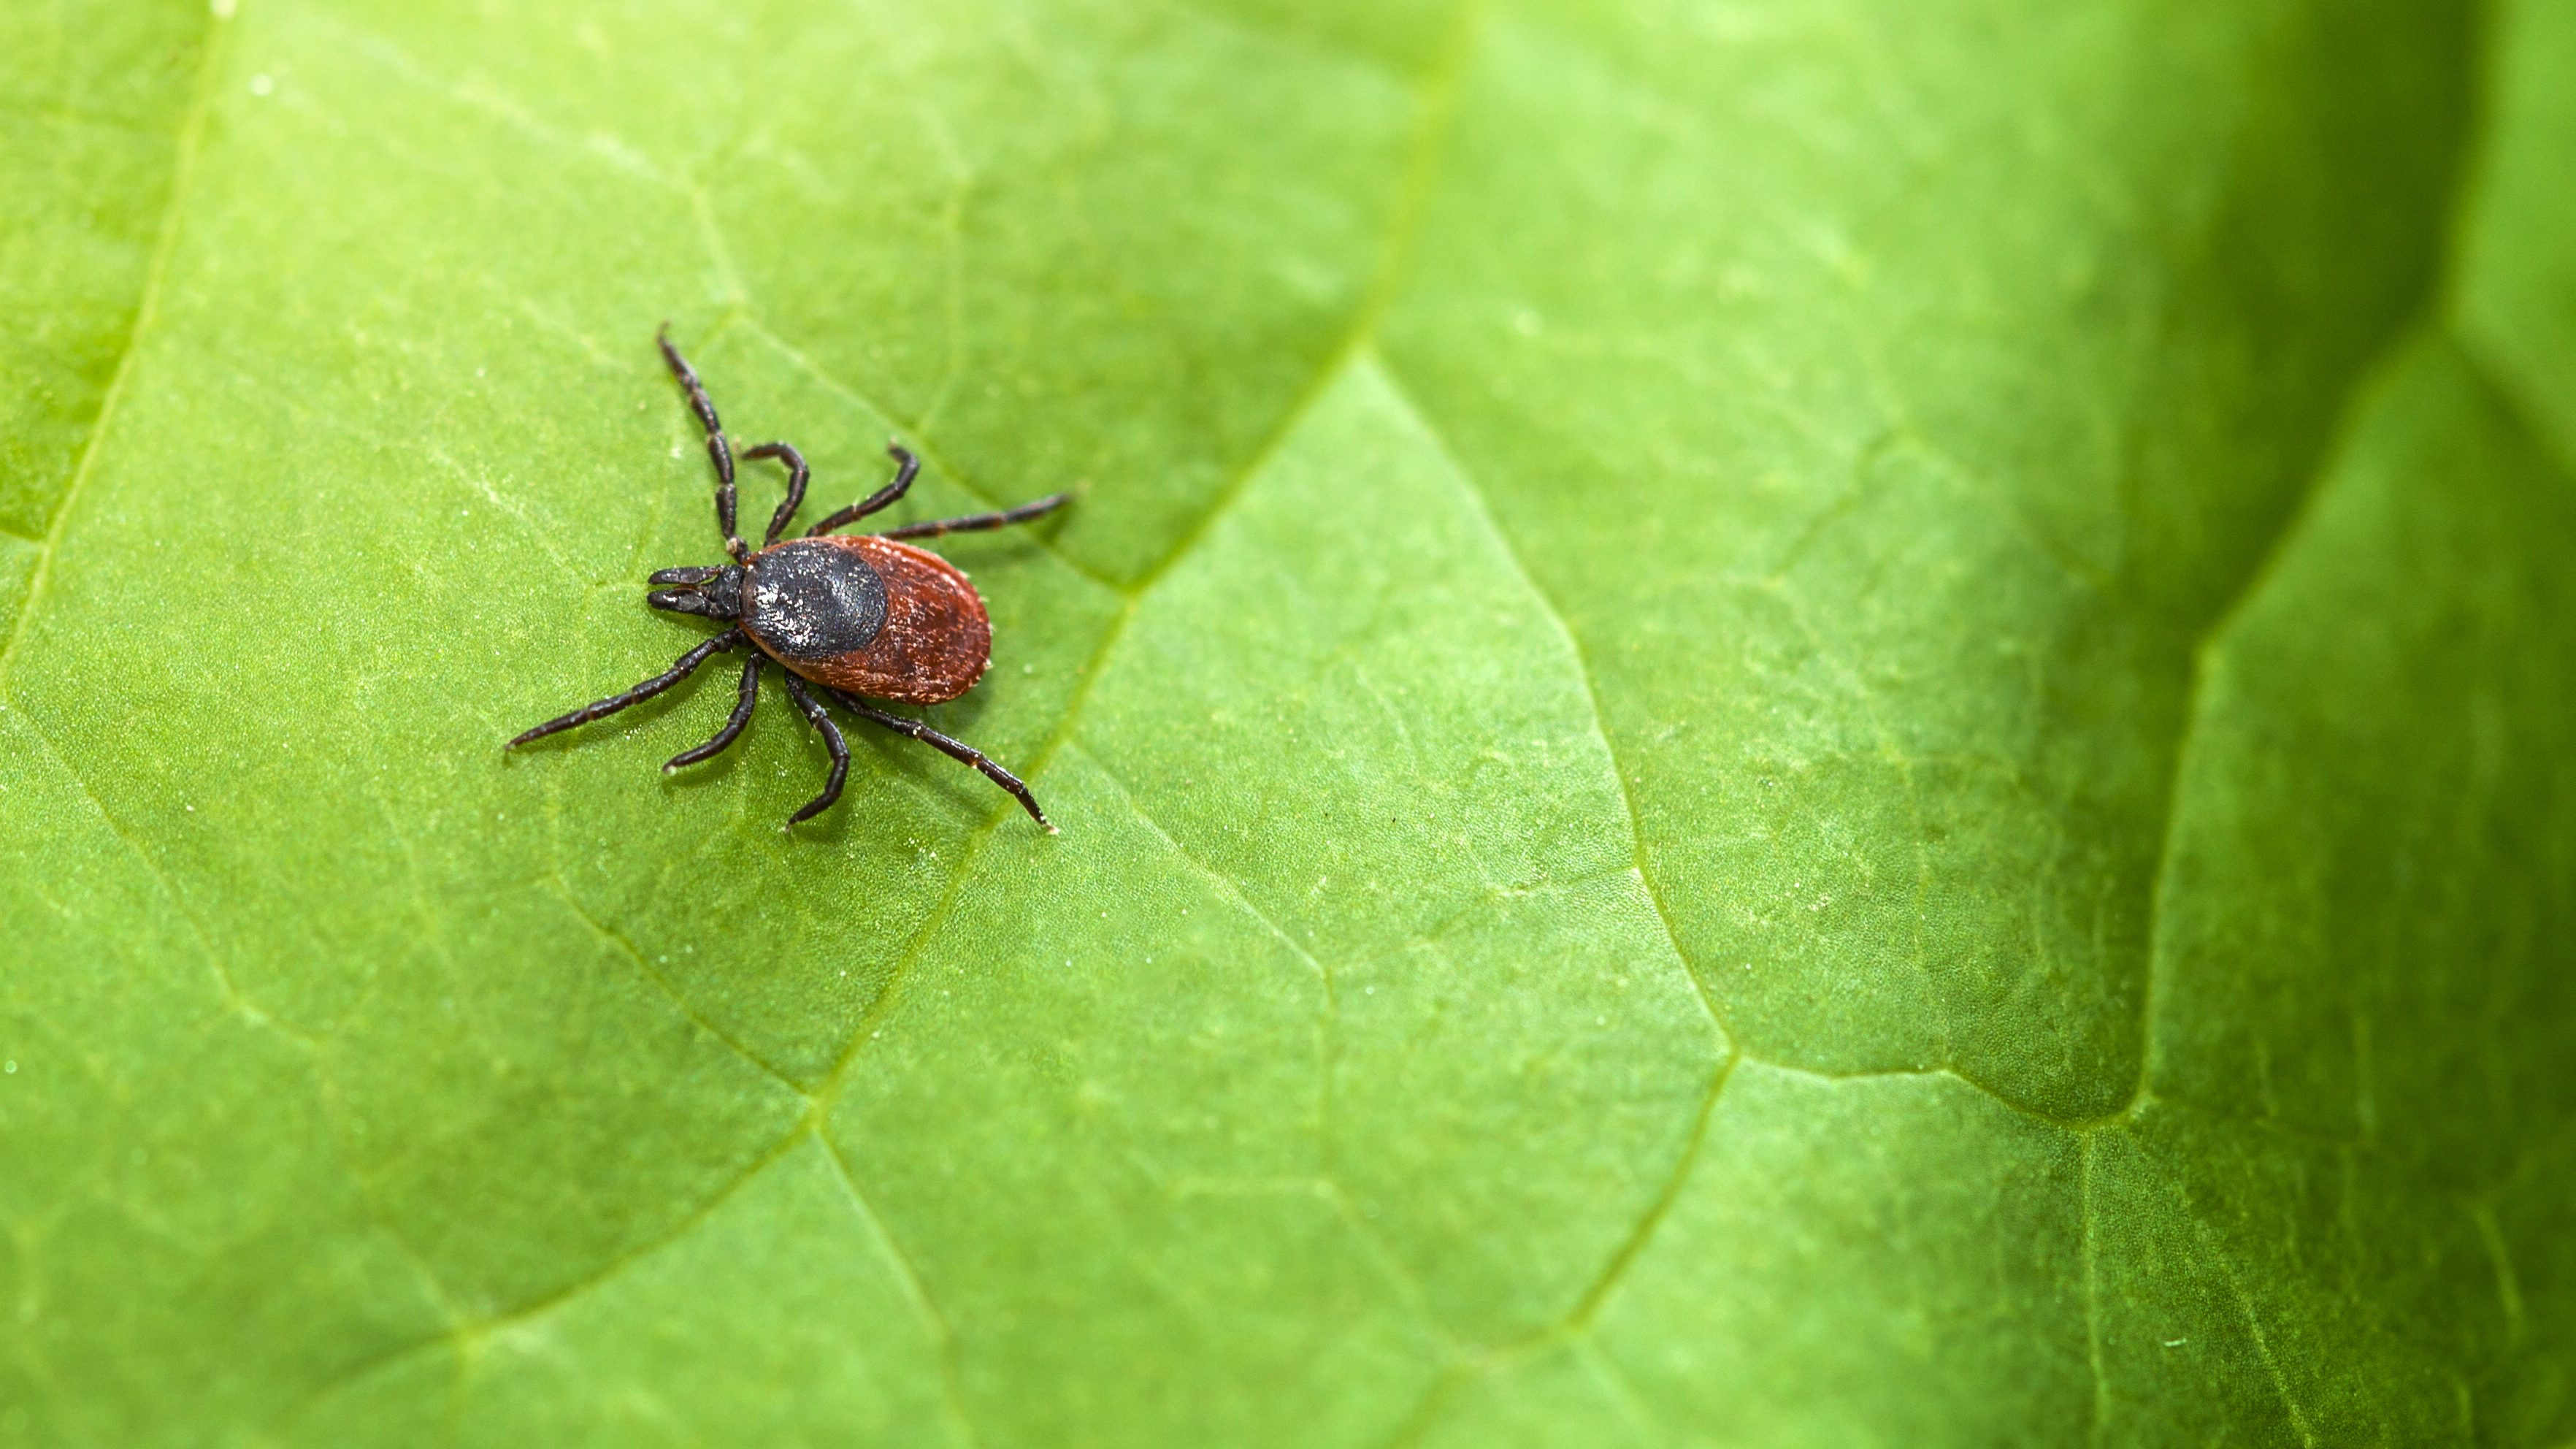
[{"x": 936, "y": 639}]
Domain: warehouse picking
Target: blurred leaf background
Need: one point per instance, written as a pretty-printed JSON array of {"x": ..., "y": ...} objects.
[{"x": 1789, "y": 722}]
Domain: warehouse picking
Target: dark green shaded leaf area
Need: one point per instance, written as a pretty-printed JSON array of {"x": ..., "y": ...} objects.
[{"x": 1823, "y": 723}]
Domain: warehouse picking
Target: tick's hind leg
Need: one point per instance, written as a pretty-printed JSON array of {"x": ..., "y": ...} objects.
[
  {"x": 732, "y": 726},
  {"x": 832, "y": 741},
  {"x": 796, "y": 476},
  {"x": 979, "y": 522},
  {"x": 719, "y": 452},
  {"x": 955, "y": 749},
  {"x": 906, "y": 466},
  {"x": 678, "y": 671}
]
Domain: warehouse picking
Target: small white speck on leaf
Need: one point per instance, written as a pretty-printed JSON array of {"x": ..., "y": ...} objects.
[
  {"x": 10, "y": 1067},
  {"x": 261, "y": 85}
]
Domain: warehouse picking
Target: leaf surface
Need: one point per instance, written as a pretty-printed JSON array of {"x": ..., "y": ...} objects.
[{"x": 1775, "y": 724}]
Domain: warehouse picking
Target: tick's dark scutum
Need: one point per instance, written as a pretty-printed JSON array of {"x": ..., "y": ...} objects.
[{"x": 813, "y": 599}]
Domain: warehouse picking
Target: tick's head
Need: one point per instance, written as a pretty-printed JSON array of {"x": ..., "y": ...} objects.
[{"x": 712, "y": 593}]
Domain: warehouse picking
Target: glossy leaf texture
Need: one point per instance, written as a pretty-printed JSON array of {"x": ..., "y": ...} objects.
[{"x": 1777, "y": 723}]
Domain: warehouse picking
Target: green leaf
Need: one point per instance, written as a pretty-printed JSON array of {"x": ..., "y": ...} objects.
[{"x": 1830, "y": 724}]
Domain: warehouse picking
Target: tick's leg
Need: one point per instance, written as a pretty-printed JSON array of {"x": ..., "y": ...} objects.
[
  {"x": 907, "y": 465},
  {"x": 957, "y": 750},
  {"x": 719, "y": 452},
  {"x": 795, "y": 485},
  {"x": 832, "y": 741},
  {"x": 732, "y": 726},
  {"x": 678, "y": 671},
  {"x": 978, "y": 522}
]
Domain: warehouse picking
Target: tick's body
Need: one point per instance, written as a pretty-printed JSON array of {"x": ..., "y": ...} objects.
[
  {"x": 865, "y": 615},
  {"x": 869, "y": 615}
]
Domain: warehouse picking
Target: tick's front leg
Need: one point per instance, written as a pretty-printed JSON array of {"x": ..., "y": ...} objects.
[
  {"x": 719, "y": 452},
  {"x": 686, "y": 664}
]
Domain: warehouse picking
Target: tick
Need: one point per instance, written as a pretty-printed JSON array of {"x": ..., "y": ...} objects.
[{"x": 853, "y": 615}]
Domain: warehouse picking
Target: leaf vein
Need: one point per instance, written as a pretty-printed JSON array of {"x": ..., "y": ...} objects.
[
  {"x": 887, "y": 996},
  {"x": 935, "y": 1323},
  {"x": 463, "y": 1337},
  {"x": 1591, "y": 696},
  {"x": 1438, "y": 96},
  {"x": 662, "y": 983},
  {"x": 2088, "y": 1147},
  {"x": 2366, "y": 380},
  {"x": 192, "y": 129},
  {"x": 2253, "y": 1322},
  {"x": 215, "y": 963}
]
